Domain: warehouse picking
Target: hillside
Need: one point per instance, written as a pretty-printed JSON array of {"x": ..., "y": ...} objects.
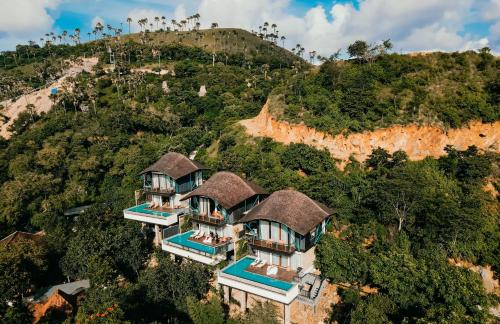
[
  {"x": 401, "y": 210},
  {"x": 444, "y": 89}
]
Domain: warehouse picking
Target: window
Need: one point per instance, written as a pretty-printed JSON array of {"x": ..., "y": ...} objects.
[{"x": 312, "y": 234}]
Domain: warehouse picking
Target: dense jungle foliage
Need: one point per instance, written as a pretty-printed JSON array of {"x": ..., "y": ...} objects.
[
  {"x": 446, "y": 88},
  {"x": 396, "y": 222}
]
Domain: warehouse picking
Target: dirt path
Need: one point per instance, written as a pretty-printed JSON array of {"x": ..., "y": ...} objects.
[
  {"x": 417, "y": 141},
  {"x": 40, "y": 98}
]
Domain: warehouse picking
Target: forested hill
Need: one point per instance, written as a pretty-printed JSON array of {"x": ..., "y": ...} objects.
[
  {"x": 397, "y": 222},
  {"x": 446, "y": 89}
]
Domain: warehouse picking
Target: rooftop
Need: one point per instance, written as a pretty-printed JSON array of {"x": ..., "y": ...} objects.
[
  {"x": 18, "y": 235},
  {"x": 227, "y": 189},
  {"x": 174, "y": 165},
  {"x": 71, "y": 288},
  {"x": 292, "y": 208}
]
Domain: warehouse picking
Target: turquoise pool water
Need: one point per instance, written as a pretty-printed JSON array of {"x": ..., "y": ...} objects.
[
  {"x": 142, "y": 209},
  {"x": 238, "y": 269},
  {"x": 182, "y": 239}
]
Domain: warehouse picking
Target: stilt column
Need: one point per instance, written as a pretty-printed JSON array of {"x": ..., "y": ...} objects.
[
  {"x": 227, "y": 294},
  {"x": 245, "y": 302},
  {"x": 157, "y": 235},
  {"x": 286, "y": 314}
]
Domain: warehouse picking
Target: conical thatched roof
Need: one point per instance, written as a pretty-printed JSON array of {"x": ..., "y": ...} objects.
[
  {"x": 175, "y": 165},
  {"x": 227, "y": 189},
  {"x": 292, "y": 208}
]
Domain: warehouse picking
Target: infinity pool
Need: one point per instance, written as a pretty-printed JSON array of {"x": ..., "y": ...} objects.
[
  {"x": 238, "y": 269},
  {"x": 142, "y": 209},
  {"x": 183, "y": 240}
]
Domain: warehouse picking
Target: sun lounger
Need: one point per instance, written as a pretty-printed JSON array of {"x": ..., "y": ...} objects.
[
  {"x": 200, "y": 235},
  {"x": 261, "y": 264},
  {"x": 195, "y": 233},
  {"x": 255, "y": 262},
  {"x": 208, "y": 240}
]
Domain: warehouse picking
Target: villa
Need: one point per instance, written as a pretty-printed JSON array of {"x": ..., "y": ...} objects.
[
  {"x": 216, "y": 208},
  {"x": 276, "y": 234},
  {"x": 281, "y": 232},
  {"x": 165, "y": 184}
]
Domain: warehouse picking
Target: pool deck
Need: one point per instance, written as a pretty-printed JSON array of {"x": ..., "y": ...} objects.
[
  {"x": 283, "y": 274},
  {"x": 144, "y": 214},
  {"x": 200, "y": 241},
  {"x": 241, "y": 276},
  {"x": 184, "y": 240}
]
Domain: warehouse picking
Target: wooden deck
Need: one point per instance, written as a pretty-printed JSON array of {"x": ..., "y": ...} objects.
[
  {"x": 166, "y": 210},
  {"x": 283, "y": 274},
  {"x": 200, "y": 240}
]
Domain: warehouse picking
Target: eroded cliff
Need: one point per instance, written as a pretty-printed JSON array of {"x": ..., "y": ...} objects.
[{"x": 418, "y": 141}]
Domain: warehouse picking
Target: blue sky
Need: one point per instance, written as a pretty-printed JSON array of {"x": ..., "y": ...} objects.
[{"x": 322, "y": 25}]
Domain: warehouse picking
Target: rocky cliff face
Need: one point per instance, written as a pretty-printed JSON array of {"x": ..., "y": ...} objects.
[{"x": 416, "y": 140}]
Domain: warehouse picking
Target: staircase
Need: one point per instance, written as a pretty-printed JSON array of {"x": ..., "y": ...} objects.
[{"x": 311, "y": 286}]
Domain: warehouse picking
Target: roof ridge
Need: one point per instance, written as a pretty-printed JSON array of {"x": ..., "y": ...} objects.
[{"x": 315, "y": 203}]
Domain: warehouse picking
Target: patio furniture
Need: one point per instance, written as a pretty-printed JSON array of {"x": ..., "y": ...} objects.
[
  {"x": 195, "y": 233},
  {"x": 261, "y": 264},
  {"x": 200, "y": 235},
  {"x": 255, "y": 262},
  {"x": 272, "y": 270}
]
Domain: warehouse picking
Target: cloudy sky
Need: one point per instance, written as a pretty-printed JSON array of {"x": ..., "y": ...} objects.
[{"x": 326, "y": 26}]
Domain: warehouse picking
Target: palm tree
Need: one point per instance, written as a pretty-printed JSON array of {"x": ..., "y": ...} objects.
[
  {"x": 273, "y": 26},
  {"x": 157, "y": 20},
  {"x": 283, "y": 41},
  {"x": 129, "y": 21}
]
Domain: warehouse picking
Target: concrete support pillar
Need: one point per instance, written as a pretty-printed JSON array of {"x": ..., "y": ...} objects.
[
  {"x": 227, "y": 294},
  {"x": 245, "y": 302},
  {"x": 286, "y": 314},
  {"x": 157, "y": 239}
]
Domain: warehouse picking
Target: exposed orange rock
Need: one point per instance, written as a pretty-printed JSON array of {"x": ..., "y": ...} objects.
[
  {"x": 59, "y": 300},
  {"x": 418, "y": 141},
  {"x": 490, "y": 282}
]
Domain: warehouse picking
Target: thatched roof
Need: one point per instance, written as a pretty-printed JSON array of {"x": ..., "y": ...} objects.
[
  {"x": 175, "y": 165},
  {"x": 227, "y": 189},
  {"x": 18, "y": 236},
  {"x": 292, "y": 208}
]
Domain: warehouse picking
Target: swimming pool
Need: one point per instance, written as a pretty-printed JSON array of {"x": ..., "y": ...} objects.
[
  {"x": 238, "y": 269},
  {"x": 183, "y": 240},
  {"x": 142, "y": 209}
]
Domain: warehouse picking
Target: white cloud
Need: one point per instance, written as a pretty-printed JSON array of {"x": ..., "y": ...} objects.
[
  {"x": 21, "y": 20},
  {"x": 490, "y": 10},
  {"x": 411, "y": 25}
]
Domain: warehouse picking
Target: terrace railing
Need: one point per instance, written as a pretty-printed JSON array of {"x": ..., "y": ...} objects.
[
  {"x": 271, "y": 245},
  {"x": 210, "y": 220},
  {"x": 166, "y": 191}
]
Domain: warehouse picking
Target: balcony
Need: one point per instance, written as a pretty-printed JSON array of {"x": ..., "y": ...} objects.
[
  {"x": 157, "y": 191},
  {"x": 209, "y": 220},
  {"x": 269, "y": 245}
]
